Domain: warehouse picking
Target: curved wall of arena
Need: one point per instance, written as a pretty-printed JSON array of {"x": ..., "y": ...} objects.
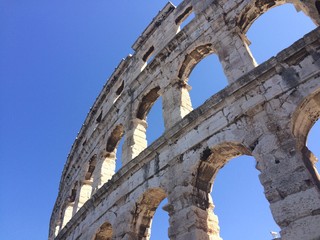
[{"x": 266, "y": 112}]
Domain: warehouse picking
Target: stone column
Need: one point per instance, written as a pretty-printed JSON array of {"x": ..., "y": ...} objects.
[
  {"x": 57, "y": 228},
  {"x": 235, "y": 55},
  {"x": 84, "y": 193},
  {"x": 292, "y": 191},
  {"x": 68, "y": 213},
  {"x": 191, "y": 215},
  {"x": 176, "y": 102},
  {"x": 104, "y": 170},
  {"x": 135, "y": 141}
]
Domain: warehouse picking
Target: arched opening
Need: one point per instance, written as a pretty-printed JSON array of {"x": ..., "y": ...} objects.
[
  {"x": 84, "y": 193},
  {"x": 305, "y": 128},
  {"x": 184, "y": 18},
  {"x": 148, "y": 57},
  {"x": 313, "y": 143},
  {"x": 276, "y": 29},
  {"x": 306, "y": 131},
  {"x": 160, "y": 223},
  {"x": 69, "y": 210},
  {"x": 119, "y": 154},
  {"x": 139, "y": 138},
  {"x": 86, "y": 185},
  {"x": 144, "y": 212},
  {"x": 237, "y": 201},
  {"x": 155, "y": 122},
  {"x": 91, "y": 167},
  {"x": 104, "y": 232},
  {"x": 240, "y": 204},
  {"x": 119, "y": 90},
  {"x": 307, "y": 113},
  {"x": 147, "y": 102},
  {"x": 107, "y": 162},
  {"x": 203, "y": 71},
  {"x": 112, "y": 161},
  {"x": 206, "y": 79}
]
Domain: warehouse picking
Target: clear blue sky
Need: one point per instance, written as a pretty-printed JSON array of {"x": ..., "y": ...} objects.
[{"x": 55, "y": 58}]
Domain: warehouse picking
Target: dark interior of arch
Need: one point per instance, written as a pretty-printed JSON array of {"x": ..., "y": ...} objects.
[
  {"x": 73, "y": 194},
  {"x": 144, "y": 211},
  {"x": 211, "y": 160},
  {"x": 105, "y": 232},
  {"x": 147, "y": 102},
  {"x": 305, "y": 117},
  {"x": 184, "y": 15},
  {"x": 92, "y": 166},
  {"x": 251, "y": 13},
  {"x": 114, "y": 138},
  {"x": 317, "y": 3}
]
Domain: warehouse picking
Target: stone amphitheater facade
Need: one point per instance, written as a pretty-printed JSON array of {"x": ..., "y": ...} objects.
[{"x": 266, "y": 111}]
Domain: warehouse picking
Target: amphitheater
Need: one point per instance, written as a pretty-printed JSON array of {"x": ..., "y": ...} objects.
[{"x": 266, "y": 111}]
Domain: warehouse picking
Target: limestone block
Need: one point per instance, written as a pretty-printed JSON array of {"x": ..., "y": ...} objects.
[
  {"x": 296, "y": 206},
  {"x": 306, "y": 228}
]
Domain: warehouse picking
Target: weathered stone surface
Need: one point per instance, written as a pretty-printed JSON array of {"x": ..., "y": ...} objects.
[{"x": 266, "y": 111}]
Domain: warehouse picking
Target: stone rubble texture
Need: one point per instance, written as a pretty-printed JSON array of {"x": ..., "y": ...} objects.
[{"x": 266, "y": 111}]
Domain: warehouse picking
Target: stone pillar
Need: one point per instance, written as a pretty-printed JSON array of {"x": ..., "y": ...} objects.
[
  {"x": 68, "y": 213},
  {"x": 176, "y": 102},
  {"x": 57, "y": 229},
  {"x": 290, "y": 188},
  {"x": 123, "y": 224},
  {"x": 104, "y": 170},
  {"x": 84, "y": 193},
  {"x": 235, "y": 55},
  {"x": 135, "y": 141},
  {"x": 191, "y": 215}
]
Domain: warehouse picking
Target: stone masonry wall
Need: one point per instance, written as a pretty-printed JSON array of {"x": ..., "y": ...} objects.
[{"x": 266, "y": 111}]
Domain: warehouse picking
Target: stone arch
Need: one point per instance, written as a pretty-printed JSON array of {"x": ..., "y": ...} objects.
[
  {"x": 193, "y": 58},
  {"x": 136, "y": 139},
  {"x": 262, "y": 31},
  {"x": 144, "y": 211},
  {"x": 147, "y": 102},
  {"x": 104, "y": 232},
  {"x": 255, "y": 8},
  {"x": 106, "y": 160},
  {"x": 183, "y": 91},
  {"x": 91, "y": 167},
  {"x": 73, "y": 193},
  {"x": 69, "y": 205},
  {"x": 206, "y": 79},
  {"x": 86, "y": 184},
  {"x": 114, "y": 138},
  {"x": 176, "y": 98},
  {"x": 213, "y": 159},
  {"x": 185, "y": 17},
  {"x": 170, "y": 161},
  {"x": 313, "y": 146},
  {"x": 305, "y": 116}
]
